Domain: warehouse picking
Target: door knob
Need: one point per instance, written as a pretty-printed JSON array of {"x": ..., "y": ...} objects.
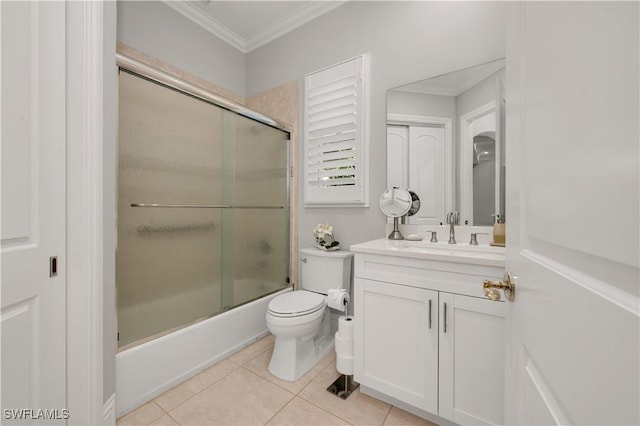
[{"x": 508, "y": 285}]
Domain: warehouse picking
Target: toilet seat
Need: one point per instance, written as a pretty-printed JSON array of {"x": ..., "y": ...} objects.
[{"x": 296, "y": 303}]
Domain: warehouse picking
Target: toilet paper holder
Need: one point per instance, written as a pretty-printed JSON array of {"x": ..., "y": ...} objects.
[
  {"x": 343, "y": 386},
  {"x": 338, "y": 299}
]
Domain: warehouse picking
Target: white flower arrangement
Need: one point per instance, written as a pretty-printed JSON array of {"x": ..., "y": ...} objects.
[{"x": 324, "y": 237}]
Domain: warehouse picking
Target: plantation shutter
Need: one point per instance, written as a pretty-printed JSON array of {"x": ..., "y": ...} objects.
[{"x": 335, "y": 142}]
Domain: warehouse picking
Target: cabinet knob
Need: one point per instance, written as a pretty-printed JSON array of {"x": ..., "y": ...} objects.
[{"x": 508, "y": 285}]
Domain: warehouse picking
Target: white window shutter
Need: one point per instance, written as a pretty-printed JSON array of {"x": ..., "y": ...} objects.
[{"x": 335, "y": 135}]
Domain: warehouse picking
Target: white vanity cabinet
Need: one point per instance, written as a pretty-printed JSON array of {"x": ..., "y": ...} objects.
[{"x": 425, "y": 335}]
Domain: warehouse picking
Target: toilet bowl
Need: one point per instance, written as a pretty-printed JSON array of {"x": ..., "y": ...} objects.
[{"x": 300, "y": 320}]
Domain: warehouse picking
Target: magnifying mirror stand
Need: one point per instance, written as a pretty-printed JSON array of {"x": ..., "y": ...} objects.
[{"x": 396, "y": 234}]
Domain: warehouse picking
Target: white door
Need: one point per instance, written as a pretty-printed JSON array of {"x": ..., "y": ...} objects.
[
  {"x": 416, "y": 159},
  {"x": 397, "y": 157},
  {"x": 572, "y": 213},
  {"x": 33, "y": 212},
  {"x": 427, "y": 167}
]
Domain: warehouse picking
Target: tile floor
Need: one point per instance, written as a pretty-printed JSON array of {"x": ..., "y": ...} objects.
[{"x": 240, "y": 390}]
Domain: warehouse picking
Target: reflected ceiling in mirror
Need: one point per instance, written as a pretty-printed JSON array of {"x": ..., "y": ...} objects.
[{"x": 454, "y": 83}]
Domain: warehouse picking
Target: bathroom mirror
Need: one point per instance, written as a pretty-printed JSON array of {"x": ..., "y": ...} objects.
[{"x": 445, "y": 140}]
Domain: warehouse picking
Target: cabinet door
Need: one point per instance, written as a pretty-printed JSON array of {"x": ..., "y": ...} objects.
[
  {"x": 396, "y": 341},
  {"x": 472, "y": 359}
]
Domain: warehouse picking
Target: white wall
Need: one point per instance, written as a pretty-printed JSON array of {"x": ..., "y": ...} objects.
[
  {"x": 399, "y": 102},
  {"x": 154, "y": 28},
  {"x": 408, "y": 41}
]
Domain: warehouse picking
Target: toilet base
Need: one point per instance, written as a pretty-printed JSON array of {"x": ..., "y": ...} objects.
[{"x": 307, "y": 353}]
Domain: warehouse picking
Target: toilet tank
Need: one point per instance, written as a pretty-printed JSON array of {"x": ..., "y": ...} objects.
[{"x": 321, "y": 270}]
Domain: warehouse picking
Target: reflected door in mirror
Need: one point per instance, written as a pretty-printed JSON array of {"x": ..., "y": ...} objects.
[{"x": 416, "y": 160}]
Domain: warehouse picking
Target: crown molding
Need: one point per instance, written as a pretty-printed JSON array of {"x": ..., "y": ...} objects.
[
  {"x": 208, "y": 23},
  {"x": 291, "y": 22},
  {"x": 287, "y": 24}
]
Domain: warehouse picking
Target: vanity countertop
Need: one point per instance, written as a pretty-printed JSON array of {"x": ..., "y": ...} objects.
[{"x": 442, "y": 251}]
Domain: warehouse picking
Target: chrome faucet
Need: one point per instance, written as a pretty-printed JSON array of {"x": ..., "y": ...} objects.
[{"x": 452, "y": 220}]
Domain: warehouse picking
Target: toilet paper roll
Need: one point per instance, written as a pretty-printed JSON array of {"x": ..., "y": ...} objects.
[
  {"x": 344, "y": 347},
  {"x": 344, "y": 364},
  {"x": 345, "y": 327},
  {"x": 338, "y": 299}
]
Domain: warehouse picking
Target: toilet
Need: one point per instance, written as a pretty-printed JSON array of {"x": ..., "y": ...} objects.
[{"x": 300, "y": 320}]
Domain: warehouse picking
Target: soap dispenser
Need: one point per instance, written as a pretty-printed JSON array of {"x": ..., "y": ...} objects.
[{"x": 498, "y": 231}]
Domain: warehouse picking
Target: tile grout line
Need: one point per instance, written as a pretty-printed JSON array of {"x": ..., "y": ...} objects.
[
  {"x": 228, "y": 358},
  {"x": 200, "y": 391},
  {"x": 156, "y": 418},
  {"x": 165, "y": 412},
  {"x": 293, "y": 395},
  {"x": 281, "y": 408},
  {"x": 297, "y": 394},
  {"x": 387, "y": 415},
  {"x": 323, "y": 409},
  {"x": 316, "y": 405}
]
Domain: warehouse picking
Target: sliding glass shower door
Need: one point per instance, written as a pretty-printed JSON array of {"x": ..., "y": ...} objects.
[{"x": 203, "y": 219}]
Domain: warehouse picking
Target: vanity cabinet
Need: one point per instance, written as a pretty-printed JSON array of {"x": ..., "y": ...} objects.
[{"x": 426, "y": 336}]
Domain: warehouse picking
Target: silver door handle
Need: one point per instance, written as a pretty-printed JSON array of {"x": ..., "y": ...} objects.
[{"x": 445, "y": 317}]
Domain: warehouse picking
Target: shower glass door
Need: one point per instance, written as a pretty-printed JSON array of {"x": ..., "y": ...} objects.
[
  {"x": 203, "y": 218},
  {"x": 256, "y": 229}
]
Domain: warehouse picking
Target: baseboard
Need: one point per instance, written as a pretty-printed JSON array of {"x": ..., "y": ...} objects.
[{"x": 109, "y": 411}]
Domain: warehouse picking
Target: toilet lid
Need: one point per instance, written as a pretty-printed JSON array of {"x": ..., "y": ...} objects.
[{"x": 295, "y": 303}]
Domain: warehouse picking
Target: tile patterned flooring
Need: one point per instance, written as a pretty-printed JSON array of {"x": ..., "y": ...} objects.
[{"x": 240, "y": 390}]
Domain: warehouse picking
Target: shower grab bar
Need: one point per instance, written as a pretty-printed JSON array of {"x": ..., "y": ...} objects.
[{"x": 202, "y": 206}]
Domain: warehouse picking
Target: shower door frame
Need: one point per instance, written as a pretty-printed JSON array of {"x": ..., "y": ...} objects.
[
  {"x": 154, "y": 74},
  {"x": 157, "y": 76}
]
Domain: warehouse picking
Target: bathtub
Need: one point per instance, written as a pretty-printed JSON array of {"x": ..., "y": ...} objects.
[{"x": 150, "y": 369}]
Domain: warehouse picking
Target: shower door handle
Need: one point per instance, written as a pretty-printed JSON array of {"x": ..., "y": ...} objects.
[
  {"x": 201, "y": 206},
  {"x": 182, "y": 206}
]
